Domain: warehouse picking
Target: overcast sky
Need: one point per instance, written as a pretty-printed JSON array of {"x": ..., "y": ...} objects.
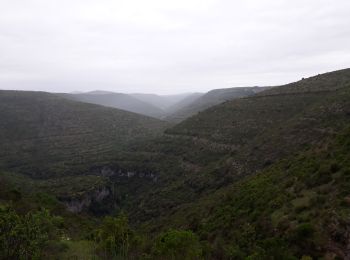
[{"x": 161, "y": 46}]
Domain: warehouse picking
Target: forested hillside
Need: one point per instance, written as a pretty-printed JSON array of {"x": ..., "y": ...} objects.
[
  {"x": 212, "y": 98},
  {"x": 298, "y": 206},
  {"x": 64, "y": 144},
  {"x": 118, "y": 100},
  {"x": 242, "y": 137},
  {"x": 259, "y": 177}
]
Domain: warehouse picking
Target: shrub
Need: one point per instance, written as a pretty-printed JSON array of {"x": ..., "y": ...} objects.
[
  {"x": 304, "y": 231},
  {"x": 334, "y": 167},
  {"x": 114, "y": 237},
  {"x": 233, "y": 252},
  {"x": 177, "y": 244},
  {"x": 24, "y": 237}
]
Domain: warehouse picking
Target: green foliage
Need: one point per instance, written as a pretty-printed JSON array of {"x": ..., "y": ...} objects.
[
  {"x": 305, "y": 257},
  {"x": 263, "y": 177},
  {"x": 44, "y": 135},
  {"x": 24, "y": 237},
  {"x": 212, "y": 98},
  {"x": 238, "y": 138},
  {"x": 177, "y": 244},
  {"x": 114, "y": 237},
  {"x": 81, "y": 249},
  {"x": 304, "y": 231},
  {"x": 284, "y": 211}
]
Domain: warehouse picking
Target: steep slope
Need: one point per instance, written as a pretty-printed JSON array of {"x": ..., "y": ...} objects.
[
  {"x": 288, "y": 116},
  {"x": 42, "y": 134},
  {"x": 296, "y": 207},
  {"x": 264, "y": 176},
  {"x": 209, "y": 99},
  {"x": 118, "y": 100},
  {"x": 239, "y": 138},
  {"x": 330, "y": 81}
]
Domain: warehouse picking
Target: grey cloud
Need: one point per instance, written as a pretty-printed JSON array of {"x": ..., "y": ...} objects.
[{"x": 169, "y": 46}]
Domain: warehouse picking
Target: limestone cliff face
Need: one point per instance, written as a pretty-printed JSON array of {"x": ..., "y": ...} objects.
[
  {"x": 103, "y": 194},
  {"x": 122, "y": 173},
  {"x": 82, "y": 203}
]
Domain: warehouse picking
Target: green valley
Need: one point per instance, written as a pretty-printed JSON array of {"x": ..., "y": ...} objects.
[{"x": 263, "y": 175}]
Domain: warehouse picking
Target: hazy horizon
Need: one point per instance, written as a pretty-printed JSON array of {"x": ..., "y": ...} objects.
[
  {"x": 168, "y": 47},
  {"x": 132, "y": 93}
]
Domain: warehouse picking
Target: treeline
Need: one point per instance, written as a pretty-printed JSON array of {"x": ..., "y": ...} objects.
[
  {"x": 26, "y": 236},
  {"x": 41, "y": 235}
]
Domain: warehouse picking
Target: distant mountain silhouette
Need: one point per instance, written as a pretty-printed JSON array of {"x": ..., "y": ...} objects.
[{"x": 117, "y": 100}]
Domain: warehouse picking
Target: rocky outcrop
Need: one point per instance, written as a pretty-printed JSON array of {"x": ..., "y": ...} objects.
[
  {"x": 82, "y": 203},
  {"x": 107, "y": 171},
  {"x": 90, "y": 199}
]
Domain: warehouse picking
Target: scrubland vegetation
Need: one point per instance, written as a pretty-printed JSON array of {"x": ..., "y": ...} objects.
[{"x": 259, "y": 177}]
